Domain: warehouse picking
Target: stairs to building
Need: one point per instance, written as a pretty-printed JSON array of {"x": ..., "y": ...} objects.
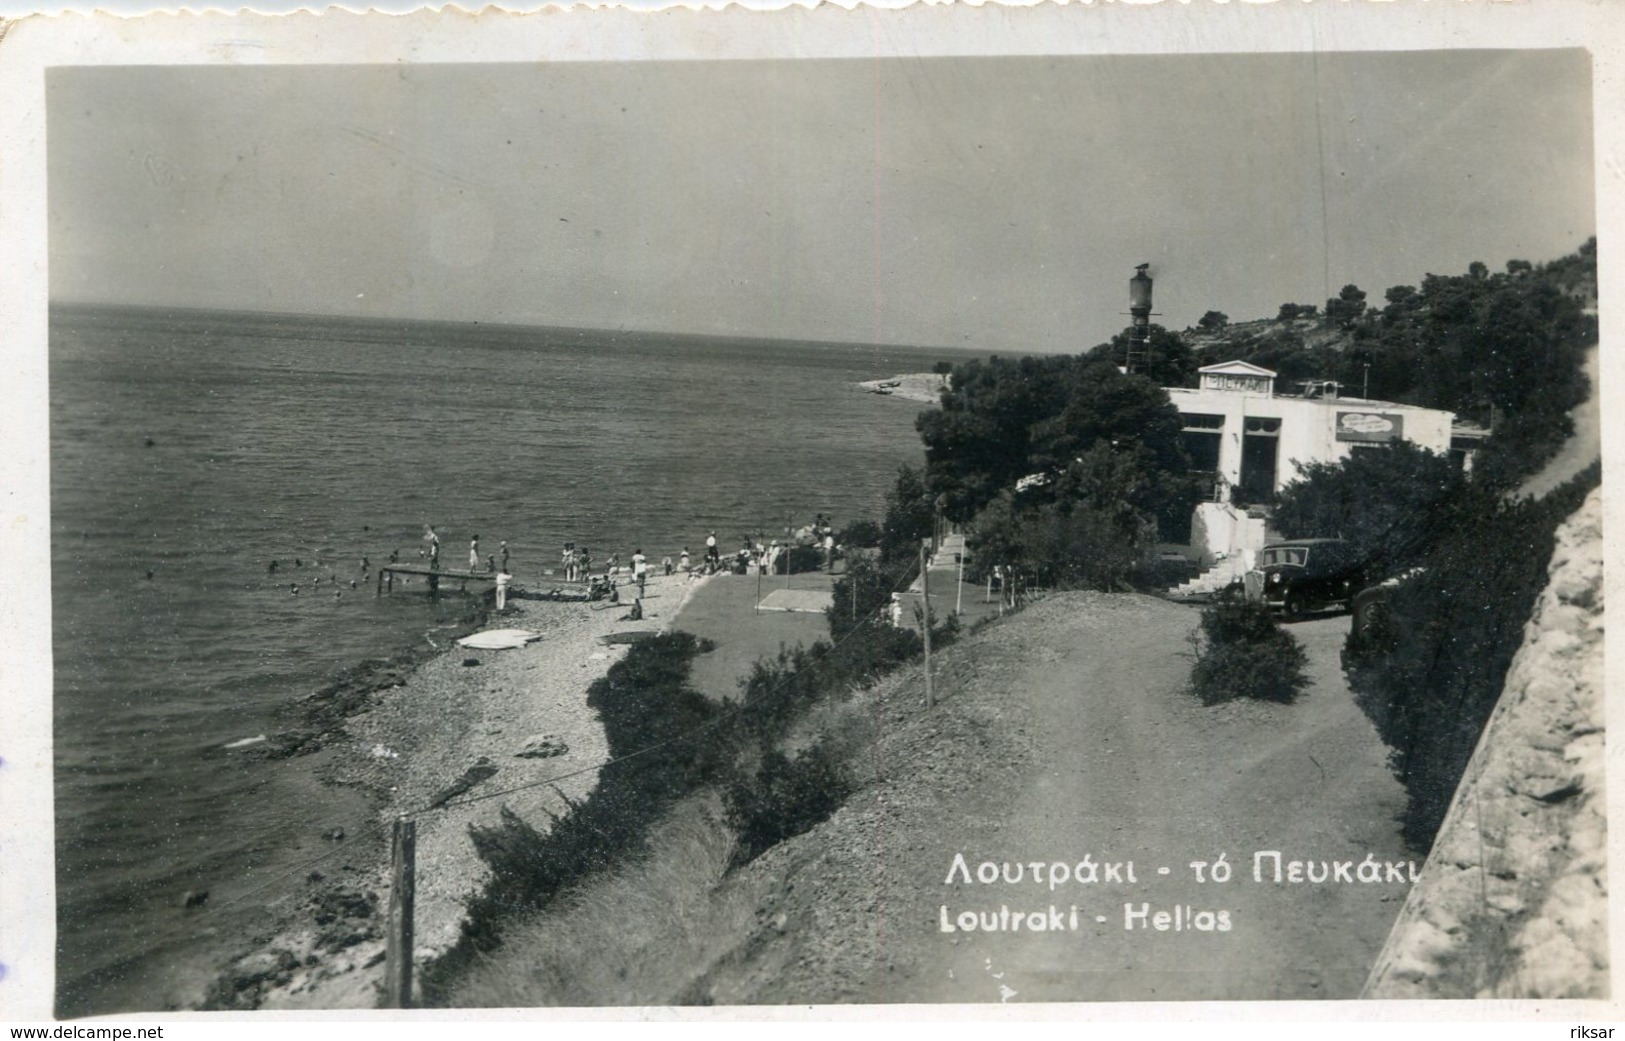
[
  {"x": 1217, "y": 576},
  {"x": 953, "y": 545}
]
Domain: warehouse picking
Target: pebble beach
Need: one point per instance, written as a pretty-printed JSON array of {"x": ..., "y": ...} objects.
[{"x": 463, "y": 735}]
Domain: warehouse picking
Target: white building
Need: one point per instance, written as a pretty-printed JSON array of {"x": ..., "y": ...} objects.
[{"x": 1254, "y": 443}]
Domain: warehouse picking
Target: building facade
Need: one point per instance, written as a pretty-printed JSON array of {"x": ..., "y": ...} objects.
[{"x": 1253, "y": 442}]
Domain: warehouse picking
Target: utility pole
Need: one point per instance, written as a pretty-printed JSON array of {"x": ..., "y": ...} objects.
[
  {"x": 925, "y": 593},
  {"x": 398, "y": 934},
  {"x": 959, "y": 583}
]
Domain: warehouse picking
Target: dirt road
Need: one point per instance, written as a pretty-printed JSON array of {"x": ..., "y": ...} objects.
[{"x": 1063, "y": 734}]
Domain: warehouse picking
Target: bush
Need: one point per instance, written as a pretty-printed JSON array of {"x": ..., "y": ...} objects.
[
  {"x": 860, "y": 534},
  {"x": 799, "y": 560},
  {"x": 859, "y": 597},
  {"x": 783, "y": 798},
  {"x": 1243, "y": 653}
]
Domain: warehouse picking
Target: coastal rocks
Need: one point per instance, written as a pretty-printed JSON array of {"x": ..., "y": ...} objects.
[
  {"x": 240, "y": 987},
  {"x": 344, "y": 903},
  {"x": 542, "y": 746},
  {"x": 194, "y": 898}
]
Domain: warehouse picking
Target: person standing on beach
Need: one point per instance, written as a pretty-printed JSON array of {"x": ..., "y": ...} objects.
[
  {"x": 568, "y": 559},
  {"x": 712, "y": 558},
  {"x": 504, "y": 556},
  {"x": 474, "y": 553},
  {"x": 640, "y": 569},
  {"x": 682, "y": 561},
  {"x": 433, "y": 539}
]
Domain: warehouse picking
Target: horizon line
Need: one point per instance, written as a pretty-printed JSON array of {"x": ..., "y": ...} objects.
[{"x": 530, "y": 326}]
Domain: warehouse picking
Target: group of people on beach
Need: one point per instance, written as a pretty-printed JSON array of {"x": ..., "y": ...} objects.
[{"x": 576, "y": 562}]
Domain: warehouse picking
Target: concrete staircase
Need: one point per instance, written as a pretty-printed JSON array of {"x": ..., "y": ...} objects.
[
  {"x": 1219, "y": 574},
  {"x": 943, "y": 558}
]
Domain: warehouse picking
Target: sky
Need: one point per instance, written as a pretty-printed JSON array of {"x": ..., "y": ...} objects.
[{"x": 986, "y": 203}]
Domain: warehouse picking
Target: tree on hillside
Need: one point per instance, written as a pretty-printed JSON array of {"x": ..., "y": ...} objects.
[
  {"x": 1391, "y": 505},
  {"x": 1289, "y": 312},
  {"x": 1213, "y": 321},
  {"x": 1345, "y": 309},
  {"x": 1104, "y": 448},
  {"x": 979, "y": 439},
  {"x": 910, "y": 516},
  {"x": 1009, "y": 420}
]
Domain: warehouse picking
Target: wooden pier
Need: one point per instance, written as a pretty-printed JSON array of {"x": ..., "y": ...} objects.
[{"x": 387, "y": 573}]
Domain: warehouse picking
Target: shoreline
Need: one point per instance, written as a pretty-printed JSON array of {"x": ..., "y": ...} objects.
[
  {"x": 407, "y": 737},
  {"x": 923, "y": 387}
]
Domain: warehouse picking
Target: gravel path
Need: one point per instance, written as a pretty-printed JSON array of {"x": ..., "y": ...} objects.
[{"x": 1066, "y": 732}]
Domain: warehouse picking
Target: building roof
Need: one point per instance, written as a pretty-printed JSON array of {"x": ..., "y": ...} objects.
[{"x": 1236, "y": 368}]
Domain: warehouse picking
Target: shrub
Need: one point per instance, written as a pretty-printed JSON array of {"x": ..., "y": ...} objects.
[
  {"x": 782, "y": 798},
  {"x": 799, "y": 560},
  {"x": 1243, "y": 653},
  {"x": 860, "y": 534}
]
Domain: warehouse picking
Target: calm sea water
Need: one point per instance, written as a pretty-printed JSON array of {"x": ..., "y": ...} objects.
[{"x": 201, "y": 446}]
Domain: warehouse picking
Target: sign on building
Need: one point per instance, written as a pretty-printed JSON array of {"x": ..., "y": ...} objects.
[{"x": 1370, "y": 426}]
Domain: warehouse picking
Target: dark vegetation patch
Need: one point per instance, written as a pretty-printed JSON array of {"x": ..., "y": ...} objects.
[
  {"x": 1242, "y": 652},
  {"x": 1431, "y": 668},
  {"x": 783, "y": 797}
]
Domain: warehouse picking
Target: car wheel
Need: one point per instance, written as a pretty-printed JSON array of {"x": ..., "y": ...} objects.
[{"x": 1292, "y": 606}]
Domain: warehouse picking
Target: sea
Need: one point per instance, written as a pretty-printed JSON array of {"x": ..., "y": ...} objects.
[{"x": 192, "y": 449}]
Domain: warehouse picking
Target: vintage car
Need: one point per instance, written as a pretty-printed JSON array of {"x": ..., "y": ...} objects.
[{"x": 1306, "y": 575}]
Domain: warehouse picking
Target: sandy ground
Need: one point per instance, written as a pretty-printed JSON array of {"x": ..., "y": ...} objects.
[
  {"x": 1061, "y": 733},
  {"x": 418, "y": 741}
]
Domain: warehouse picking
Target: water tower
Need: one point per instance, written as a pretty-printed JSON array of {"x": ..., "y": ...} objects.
[{"x": 1139, "y": 309}]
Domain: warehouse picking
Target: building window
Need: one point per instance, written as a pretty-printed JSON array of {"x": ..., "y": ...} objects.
[
  {"x": 1263, "y": 426},
  {"x": 1201, "y": 435}
]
